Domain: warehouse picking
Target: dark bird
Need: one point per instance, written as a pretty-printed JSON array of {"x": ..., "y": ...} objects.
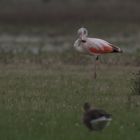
[{"x": 95, "y": 119}]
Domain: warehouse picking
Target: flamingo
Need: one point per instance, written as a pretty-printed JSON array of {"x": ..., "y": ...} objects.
[
  {"x": 95, "y": 119},
  {"x": 93, "y": 46}
]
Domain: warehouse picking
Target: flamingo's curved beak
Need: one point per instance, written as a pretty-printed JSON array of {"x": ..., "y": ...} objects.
[{"x": 83, "y": 39}]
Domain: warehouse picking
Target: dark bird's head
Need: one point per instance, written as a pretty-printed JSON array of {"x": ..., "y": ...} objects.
[{"x": 86, "y": 106}]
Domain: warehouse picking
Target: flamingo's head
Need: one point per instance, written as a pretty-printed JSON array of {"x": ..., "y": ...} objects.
[{"x": 82, "y": 33}]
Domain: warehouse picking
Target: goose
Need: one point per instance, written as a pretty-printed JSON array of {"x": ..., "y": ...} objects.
[{"x": 95, "y": 119}]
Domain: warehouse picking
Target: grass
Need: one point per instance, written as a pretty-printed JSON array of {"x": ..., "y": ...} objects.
[
  {"x": 46, "y": 103},
  {"x": 42, "y": 94}
]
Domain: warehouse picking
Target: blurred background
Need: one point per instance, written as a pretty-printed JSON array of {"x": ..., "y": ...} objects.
[
  {"x": 45, "y": 10},
  {"x": 44, "y": 82},
  {"x": 35, "y": 26}
]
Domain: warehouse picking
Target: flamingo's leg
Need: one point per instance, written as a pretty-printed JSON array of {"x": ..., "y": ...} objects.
[
  {"x": 95, "y": 75},
  {"x": 97, "y": 57},
  {"x": 95, "y": 63}
]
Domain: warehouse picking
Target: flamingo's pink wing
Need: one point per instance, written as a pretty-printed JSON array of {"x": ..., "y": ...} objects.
[{"x": 99, "y": 46}]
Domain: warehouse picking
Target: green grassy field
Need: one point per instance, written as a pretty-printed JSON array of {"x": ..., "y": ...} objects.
[
  {"x": 41, "y": 95},
  {"x": 46, "y": 102}
]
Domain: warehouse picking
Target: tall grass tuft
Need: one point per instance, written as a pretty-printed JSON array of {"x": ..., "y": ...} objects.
[
  {"x": 136, "y": 84},
  {"x": 134, "y": 96}
]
